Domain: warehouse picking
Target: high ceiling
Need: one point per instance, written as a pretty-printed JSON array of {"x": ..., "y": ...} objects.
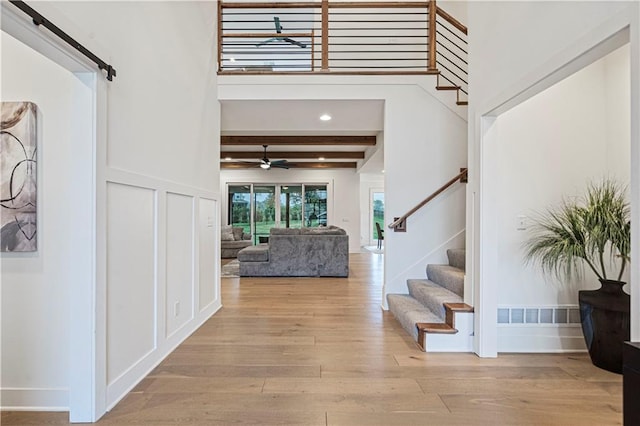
[{"x": 346, "y": 141}]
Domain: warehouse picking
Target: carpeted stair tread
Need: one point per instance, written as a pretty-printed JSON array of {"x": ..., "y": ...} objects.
[
  {"x": 457, "y": 258},
  {"x": 432, "y": 295},
  {"x": 408, "y": 311},
  {"x": 448, "y": 277}
]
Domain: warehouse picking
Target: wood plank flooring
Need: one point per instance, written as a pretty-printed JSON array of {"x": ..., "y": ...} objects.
[{"x": 311, "y": 351}]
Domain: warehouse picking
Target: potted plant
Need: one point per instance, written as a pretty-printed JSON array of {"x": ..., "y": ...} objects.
[{"x": 594, "y": 231}]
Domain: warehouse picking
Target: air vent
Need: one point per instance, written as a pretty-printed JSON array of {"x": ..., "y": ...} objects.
[{"x": 544, "y": 315}]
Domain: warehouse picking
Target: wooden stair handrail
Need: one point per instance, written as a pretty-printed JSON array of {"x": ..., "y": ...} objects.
[
  {"x": 459, "y": 177},
  {"x": 450, "y": 19}
]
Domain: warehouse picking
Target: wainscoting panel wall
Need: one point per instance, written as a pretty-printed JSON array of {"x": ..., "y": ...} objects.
[
  {"x": 209, "y": 256},
  {"x": 180, "y": 261},
  {"x": 162, "y": 272},
  {"x": 131, "y": 286}
]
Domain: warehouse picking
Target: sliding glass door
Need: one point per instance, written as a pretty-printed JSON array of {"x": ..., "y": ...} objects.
[
  {"x": 290, "y": 206},
  {"x": 264, "y": 207},
  {"x": 260, "y": 207},
  {"x": 315, "y": 205},
  {"x": 239, "y": 203}
]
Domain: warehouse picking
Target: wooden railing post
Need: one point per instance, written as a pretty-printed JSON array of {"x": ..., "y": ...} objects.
[
  {"x": 325, "y": 35},
  {"x": 432, "y": 35}
]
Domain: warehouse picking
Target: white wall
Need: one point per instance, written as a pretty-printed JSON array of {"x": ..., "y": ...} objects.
[
  {"x": 425, "y": 145},
  {"x": 552, "y": 145},
  {"x": 157, "y": 185},
  {"x": 511, "y": 59},
  {"x": 36, "y": 286},
  {"x": 343, "y": 207}
]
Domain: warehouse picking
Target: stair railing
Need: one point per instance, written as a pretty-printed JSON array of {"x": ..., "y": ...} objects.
[
  {"x": 341, "y": 37},
  {"x": 399, "y": 224}
]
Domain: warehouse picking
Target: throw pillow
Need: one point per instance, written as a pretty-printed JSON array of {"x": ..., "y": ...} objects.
[
  {"x": 226, "y": 233},
  {"x": 237, "y": 233}
]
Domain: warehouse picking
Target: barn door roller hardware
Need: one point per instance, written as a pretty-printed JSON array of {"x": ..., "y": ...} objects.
[{"x": 41, "y": 20}]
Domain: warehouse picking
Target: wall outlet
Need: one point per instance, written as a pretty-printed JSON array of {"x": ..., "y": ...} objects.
[
  {"x": 176, "y": 309},
  {"x": 522, "y": 223}
]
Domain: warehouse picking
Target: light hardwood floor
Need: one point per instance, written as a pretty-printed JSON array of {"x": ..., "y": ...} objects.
[{"x": 318, "y": 351}]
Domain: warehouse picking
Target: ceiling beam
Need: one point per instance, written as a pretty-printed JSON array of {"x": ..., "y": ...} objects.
[
  {"x": 333, "y": 155},
  {"x": 307, "y": 165},
  {"x": 298, "y": 140}
]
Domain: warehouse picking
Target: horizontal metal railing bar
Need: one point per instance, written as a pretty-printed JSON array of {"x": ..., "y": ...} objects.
[
  {"x": 377, "y": 67},
  {"x": 378, "y": 51},
  {"x": 451, "y": 31},
  {"x": 377, "y": 21},
  {"x": 449, "y": 40},
  {"x": 279, "y": 12},
  {"x": 380, "y": 59},
  {"x": 332, "y": 13},
  {"x": 294, "y": 35},
  {"x": 333, "y": 44},
  {"x": 453, "y": 74},
  {"x": 451, "y": 81},
  {"x": 450, "y": 51},
  {"x": 259, "y": 35},
  {"x": 440, "y": 55},
  {"x": 440, "y": 190},
  {"x": 332, "y": 28},
  {"x": 378, "y": 5},
  {"x": 376, "y": 36},
  {"x": 272, "y": 5},
  {"x": 269, "y": 21}
]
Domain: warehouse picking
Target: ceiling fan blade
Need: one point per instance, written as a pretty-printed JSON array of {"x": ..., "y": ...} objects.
[
  {"x": 295, "y": 42},
  {"x": 273, "y": 163},
  {"x": 280, "y": 166}
]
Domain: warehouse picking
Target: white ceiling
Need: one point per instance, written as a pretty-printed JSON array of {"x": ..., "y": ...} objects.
[
  {"x": 302, "y": 117},
  {"x": 363, "y": 117}
]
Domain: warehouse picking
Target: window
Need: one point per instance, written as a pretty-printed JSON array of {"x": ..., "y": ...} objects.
[{"x": 260, "y": 207}]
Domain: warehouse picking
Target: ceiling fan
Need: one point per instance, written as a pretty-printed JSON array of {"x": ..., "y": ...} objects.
[
  {"x": 266, "y": 164},
  {"x": 276, "y": 21}
]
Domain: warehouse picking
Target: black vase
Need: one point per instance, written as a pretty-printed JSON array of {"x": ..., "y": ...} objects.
[{"x": 605, "y": 323}]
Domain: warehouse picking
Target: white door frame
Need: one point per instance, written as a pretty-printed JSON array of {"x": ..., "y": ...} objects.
[{"x": 598, "y": 43}]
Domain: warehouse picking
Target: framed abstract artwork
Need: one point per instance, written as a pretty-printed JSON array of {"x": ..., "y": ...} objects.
[{"x": 18, "y": 190}]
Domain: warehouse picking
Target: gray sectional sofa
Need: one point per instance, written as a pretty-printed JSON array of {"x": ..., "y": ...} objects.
[{"x": 306, "y": 252}]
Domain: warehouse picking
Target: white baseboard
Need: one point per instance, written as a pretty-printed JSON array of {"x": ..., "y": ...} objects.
[
  {"x": 541, "y": 339},
  {"x": 34, "y": 399}
]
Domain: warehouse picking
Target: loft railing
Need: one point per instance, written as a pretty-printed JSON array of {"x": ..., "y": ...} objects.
[
  {"x": 383, "y": 37},
  {"x": 399, "y": 224}
]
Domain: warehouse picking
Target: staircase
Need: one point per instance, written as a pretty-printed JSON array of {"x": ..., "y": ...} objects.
[{"x": 434, "y": 312}]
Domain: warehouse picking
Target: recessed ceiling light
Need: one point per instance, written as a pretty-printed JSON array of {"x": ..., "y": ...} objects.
[
  {"x": 325, "y": 117},
  {"x": 321, "y": 158}
]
